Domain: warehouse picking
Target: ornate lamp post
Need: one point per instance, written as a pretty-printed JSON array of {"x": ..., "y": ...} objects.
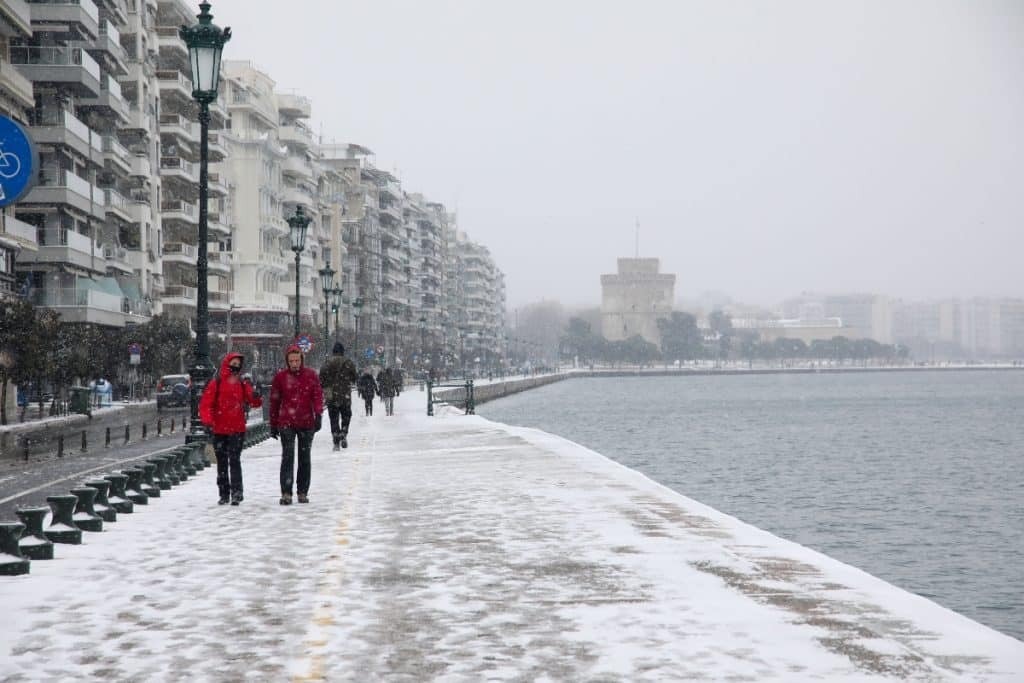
[
  {"x": 358, "y": 306},
  {"x": 327, "y": 284},
  {"x": 205, "y": 41},
  {"x": 336, "y": 306},
  {"x": 297, "y": 226}
]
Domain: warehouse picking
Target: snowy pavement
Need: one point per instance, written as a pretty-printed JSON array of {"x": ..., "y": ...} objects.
[{"x": 460, "y": 549}]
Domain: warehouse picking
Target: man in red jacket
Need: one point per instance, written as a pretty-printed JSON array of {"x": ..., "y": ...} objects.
[
  {"x": 296, "y": 408},
  {"x": 222, "y": 409}
]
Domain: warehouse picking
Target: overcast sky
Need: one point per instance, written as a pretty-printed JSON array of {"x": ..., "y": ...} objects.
[{"x": 766, "y": 148}]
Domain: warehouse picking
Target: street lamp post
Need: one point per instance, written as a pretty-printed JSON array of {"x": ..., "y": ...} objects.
[
  {"x": 358, "y": 306},
  {"x": 327, "y": 284},
  {"x": 336, "y": 306},
  {"x": 297, "y": 226},
  {"x": 205, "y": 41},
  {"x": 423, "y": 335}
]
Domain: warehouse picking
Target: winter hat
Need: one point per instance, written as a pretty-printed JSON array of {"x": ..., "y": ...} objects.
[{"x": 339, "y": 349}]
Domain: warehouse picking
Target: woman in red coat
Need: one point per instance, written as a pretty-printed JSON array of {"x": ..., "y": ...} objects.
[
  {"x": 222, "y": 409},
  {"x": 296, "y": 407}
]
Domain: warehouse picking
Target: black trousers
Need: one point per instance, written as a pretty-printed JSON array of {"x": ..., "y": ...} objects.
[
  {"x": 288, "y": 438},
  {"x": 344, "y": 411},
  {"x": 368, "y": 404},
  {"x": 228, "y": 448}
]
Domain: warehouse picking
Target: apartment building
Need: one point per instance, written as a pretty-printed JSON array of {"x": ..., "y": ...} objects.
[
  {"x": 17, "y": 100},
  {"x": 83, "y": 267},
  {"x": 863, "y": 315}
]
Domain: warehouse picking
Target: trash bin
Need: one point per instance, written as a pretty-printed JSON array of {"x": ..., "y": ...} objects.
[{"x": 80, "y": 400}]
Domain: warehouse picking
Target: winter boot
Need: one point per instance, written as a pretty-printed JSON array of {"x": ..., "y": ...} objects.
[
  {"x": 224, "y": 500},
  {"x": 303, "y": 498},
  {"x": 286, "y": 499},
  {"x": 344, "y": 441},
  {"x": 236, "y": 498}
]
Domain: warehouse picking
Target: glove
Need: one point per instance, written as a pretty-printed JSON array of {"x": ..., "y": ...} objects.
[
  {"x": 319, "y": 423},
  {"x": 274, "y": 433}
]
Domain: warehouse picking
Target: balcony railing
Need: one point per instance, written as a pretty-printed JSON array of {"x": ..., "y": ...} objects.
[
  {"x": 175, "y": 248},
  {"x": 72, "y": 296},
  {"x": 180, "y": 292},
  {"x": 179, "y": 206},
  {"x": 178, "y": 163},
  {"x": 61, "y": 237},
  {"x": 88, "y": 6},
  {"x": 55, "y": 56}
]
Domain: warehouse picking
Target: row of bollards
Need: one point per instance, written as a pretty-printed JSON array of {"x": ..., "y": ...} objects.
[
  {"x": 109, "y": 436},
  {"x": 97, "y": 502}
]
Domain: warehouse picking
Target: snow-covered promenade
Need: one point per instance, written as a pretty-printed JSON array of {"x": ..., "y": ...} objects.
[{"x": 455, "y": 548}]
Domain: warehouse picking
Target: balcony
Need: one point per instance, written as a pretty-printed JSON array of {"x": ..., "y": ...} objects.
[
  {"x": 70, "y": 68},
  {"x": 139, "y": 121},
  {"x": 216, "y": 185},
  {"x": 298, "y": 195},
  {"x": 63, "y": 128},
  {"x": 216, "y": 227},
  {"x": 298, "y": 167},
  {"x": 179, "y": 252},
  {"x": 108, "y": 47},
  {"x": 15, "y": 19},
  {"x": 24, "y": 233},
  {"x": 83, "y": 15},
  {"x": 295, "y": 106},
  {"x": 179, "y": 169},
  {"x": 19, "y": 87},
  {"x": 247, "y": 101},
  {"x": 175, "y": 84},
  {"x": 390, "y": 187},
  {"x": 59, "y": 186},
  {"x": 84, "y": 305},
  {"x": 218, "y": 262},
  {"x": 170, "y": 43},
  {"x": 67, "y": 247},
  {"x": 218, "y": 152},
  {"x": 110, "y": 100},
  {"x": 179, "y": 295},
  {"x": 141, "y": 168},
  {"x": 117, "y": 258},
  {"x": 298, "y": 135},
  {"x": 180, "y": 127},
  {"x": 177, "y": 210},
  {"x": 117, "y": 205},
  {"x": 218, "y": 301},
  {"x": 116, "y": 155}
]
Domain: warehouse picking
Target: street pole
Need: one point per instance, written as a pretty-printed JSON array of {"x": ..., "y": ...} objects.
[{"x": 297, "y": 253}]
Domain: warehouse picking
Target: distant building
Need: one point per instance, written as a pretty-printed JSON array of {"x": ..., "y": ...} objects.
[
  {"x": 863, "y": 315},
  {"x": 633, "y": 299}
]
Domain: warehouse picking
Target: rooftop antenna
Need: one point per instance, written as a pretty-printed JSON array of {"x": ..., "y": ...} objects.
[{"x": 637, "y": 238}]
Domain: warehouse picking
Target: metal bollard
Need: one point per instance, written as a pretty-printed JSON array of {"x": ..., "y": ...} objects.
[
  {"x": 160, "y": 476},
  {"x": 143, "y": 431},
  {"x": 24, "y": 444},
  {"x": 62, "y": 527},
  {"x": 159, "y": 426},
  {"x": 127, "y": 433},
  {"x": 106, "y": 444},
  {"x": 85, "y": 517},
  {"x": 85, "y": 444},
  {"x": 179, "y": 463},
  {"x": 171, "y": 431},
  {"x": 118, "y": 496},
  {"x": 60, "y": 445},
  {"x": 149, "y": 485},
  {"x": 102, "y": 504},
  {"x": 34, "y": 545},
  {"x": 12, "y": 562},
  {"x": 133, "y": 490},
  {"x": 169, "y": 474}
]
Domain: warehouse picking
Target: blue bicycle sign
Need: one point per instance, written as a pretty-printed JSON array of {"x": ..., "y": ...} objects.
[{"x": 19, "y": 161}]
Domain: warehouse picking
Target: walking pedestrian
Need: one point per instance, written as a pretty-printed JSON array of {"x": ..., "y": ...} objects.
[
  {"x": 367, "y": 387},
  {"x": 336, "y": 378},
  {"x": 222, "y": 409},
  {"x": 387, "y": 387},
  {"x": 296, "y": 414}
]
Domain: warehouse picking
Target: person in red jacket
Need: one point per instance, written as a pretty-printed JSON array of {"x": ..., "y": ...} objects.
[
  {"x": 222, "y": 409},
  {"x": 296, "y": 412}
]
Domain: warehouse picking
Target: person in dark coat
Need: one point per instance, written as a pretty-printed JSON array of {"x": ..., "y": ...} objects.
[
  {"x": 336, "y": 378},
  {"x": 367, "y": 387},
  {"x": 222, "y": 409},
  {"x": 296, "y": 413},
  {"x": 387, "y": 387}
]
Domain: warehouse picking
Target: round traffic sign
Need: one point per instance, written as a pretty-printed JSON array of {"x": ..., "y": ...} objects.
[
  {"x": 19, "y": 161},
  {"x": 304, "y": 342}
]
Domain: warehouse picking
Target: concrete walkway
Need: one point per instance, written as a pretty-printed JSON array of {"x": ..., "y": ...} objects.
[{"x": 454, "y": 548}]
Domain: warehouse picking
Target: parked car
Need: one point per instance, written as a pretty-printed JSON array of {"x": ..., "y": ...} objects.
[{"x": 172, "y": 390}]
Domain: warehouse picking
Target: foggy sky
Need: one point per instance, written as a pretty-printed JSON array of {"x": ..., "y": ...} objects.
[{"x": 767, "y": 148}]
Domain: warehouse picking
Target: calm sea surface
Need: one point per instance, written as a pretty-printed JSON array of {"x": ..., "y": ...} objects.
[{"x": 917, "y": 478}]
